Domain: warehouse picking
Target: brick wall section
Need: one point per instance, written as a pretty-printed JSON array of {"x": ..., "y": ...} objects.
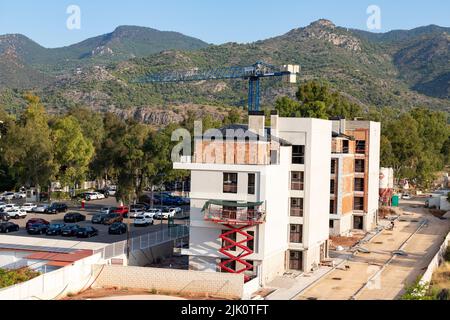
[{"x": 222, "y": 285}]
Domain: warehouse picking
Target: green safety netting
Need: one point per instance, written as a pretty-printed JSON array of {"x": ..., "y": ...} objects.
[{"x": 231, "y": 204}]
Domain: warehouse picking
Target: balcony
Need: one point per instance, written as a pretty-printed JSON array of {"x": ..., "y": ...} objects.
[{"x": 232, "y": 213}]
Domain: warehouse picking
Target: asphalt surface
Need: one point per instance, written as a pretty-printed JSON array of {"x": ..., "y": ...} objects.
[{"x": 92, "y": 208}]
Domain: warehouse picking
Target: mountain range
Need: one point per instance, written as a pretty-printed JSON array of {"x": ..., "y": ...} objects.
[{"x": 403, "y": 68}]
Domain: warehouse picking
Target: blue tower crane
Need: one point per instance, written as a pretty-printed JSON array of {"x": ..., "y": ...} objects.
[{"x": 253, "y": 74}]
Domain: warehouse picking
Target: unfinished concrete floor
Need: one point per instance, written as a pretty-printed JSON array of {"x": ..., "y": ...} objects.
[{"x": 401, "y": 271}]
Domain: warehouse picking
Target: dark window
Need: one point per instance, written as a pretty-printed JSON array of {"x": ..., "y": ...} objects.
[
  {"x": 296, "y": 260},
  {"x": 345, "y": 146},
  {"x": 333, "y": 166},
  {"x": 298, "y": 154},
  {"x": 296, "y": 235},
  {"x": 358, "y": 223},
  {"x": 332, "y": 207},
  {"x": 230, "y": 181},
  {"x": 358, "y": 203},
  {"x": 231, "y": 265},
  {"x": 251, "y": 243},
  {"x": 297, "y": 180},
  {"x": 360, "y": 165},
  {"x": 296, "y": 207},
  {"x": 251, "y": 183},
  {"x": 227, "y": 243},
  {"x": 359, "y": 184},
  {"x": 331, "y": 224},
  {"x": 332, "y": 187},
  {"x": 360, "y": 147}
]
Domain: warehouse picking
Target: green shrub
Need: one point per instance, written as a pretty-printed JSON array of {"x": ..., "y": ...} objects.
[{"x": 12, "y": 277}]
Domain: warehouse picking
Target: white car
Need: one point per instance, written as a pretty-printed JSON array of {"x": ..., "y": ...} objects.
[
  {"x": 177, "y": 210},
  {"x": 106, "y": 210},
  {"x": 28, "y": 207},
  {"x": 7, "y": 196},
  {"x": 166, "y": 213},
  {"x": 10, "y": 207},
  {"x": 143, "y": 220},
  {"x": 20, "y": 195},
  {"x": 17, "y": 213},
  {"x": 406, "y": 197},
  {"x": 153, "y": 212},
  {"x": 2, "y": 205},
  {"x": 41, "y": 208},
  {"x": 91, "y": 196},
  {"x": 134, "y": 213},
  {"x": 99, "y": 195}
]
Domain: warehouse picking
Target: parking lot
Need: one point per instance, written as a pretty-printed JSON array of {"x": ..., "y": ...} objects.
[{"x": 92, "y": 208}]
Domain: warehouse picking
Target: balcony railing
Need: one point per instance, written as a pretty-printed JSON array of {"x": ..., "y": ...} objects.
[
  {"x": 230, "y": 188},
  {"x": 248, "y": 216}
]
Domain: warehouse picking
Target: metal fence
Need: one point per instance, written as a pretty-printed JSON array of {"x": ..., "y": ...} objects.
[{"x": 144, "y": 242}]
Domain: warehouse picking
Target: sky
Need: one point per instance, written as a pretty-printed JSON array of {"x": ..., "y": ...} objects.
[{"x": 213, "y": 21}]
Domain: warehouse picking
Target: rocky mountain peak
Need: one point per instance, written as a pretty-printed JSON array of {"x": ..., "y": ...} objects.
[{"x": 322, "y": 23}]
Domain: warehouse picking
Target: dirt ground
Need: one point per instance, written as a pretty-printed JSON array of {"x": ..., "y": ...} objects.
[
  {"x": 352, "y": 280},
  {"x": 134, "y": 294},
  {"x": 346, "y": 242}
]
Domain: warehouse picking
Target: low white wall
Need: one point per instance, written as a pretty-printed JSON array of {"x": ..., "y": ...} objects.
[
  {"x": 224, "y": 285},
  {"x": 435, "y": 262},
  {"x": 55, "y": 284},
  {"x": 250, "y": 288}
]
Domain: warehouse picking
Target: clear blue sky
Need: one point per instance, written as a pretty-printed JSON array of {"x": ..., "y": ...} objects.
[{"x": 213, "y": 21}]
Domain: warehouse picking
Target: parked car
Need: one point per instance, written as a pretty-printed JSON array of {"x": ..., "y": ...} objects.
[
  {"x": 107, "y": 210},
  {"x": 73, "y": 217},
  {"x": 37, "y": 228},
  {"x": 41, "y": 208},
  {"x": 177, "y": 210},
  {"x": 8, "y": 227},
  {"x": 17, "y": 214},
  {"x": 2, "y": 205},
  {"x": 143, "y": 220},
  {"x": 36, "y": 220},
  {"x": 70, "y": 230},
  {"x": 7, "y": 196},
  {"x": 122, "y": 211},
  {"x": 138, "y": 206},
  {"x": 4, "y": 217},
  {"x": 99, "y": 218},
  {"x": 20, "y": 195},
  {"x": 166, "y": 213},
  {"x": 56, "y": 208},
  {"x": 10, "y": 207},
  {"x": 153, "y": 212},
  {"x": 28, "y": 207},
  {"x": 89, "y": 196},
  {"x": 112, "y": 218},
  {"x": 406, "y": 197},
  {"x": 117, "y": 228},
  {"x": 55, "y": 229},
  {"x": 135, "y": 212},
  {"x": 87, "y": 232}
]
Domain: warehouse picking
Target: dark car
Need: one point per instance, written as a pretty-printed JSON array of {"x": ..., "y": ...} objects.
[
  {"x": 87, "y": 232},
  {"x": 99, "y": 218},
  {"x": 118, "y": 228},
  {"x": 36, "y": 221},
  {"x": 57, "y": 208},
  {"x": 139, "y": 206},
  {"x": 8, "y": 227},
  {"x": 55, "y": 229},
  {"x": 70, "y": 231},
  {"x": 4, "y": 217},
  {"x": 74, "y": 217},
  {"x": 37, "y": 228},
  {"x": 112, "y": 218}
]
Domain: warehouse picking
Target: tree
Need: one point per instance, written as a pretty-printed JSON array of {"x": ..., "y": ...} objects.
[
  {"x": 317, "y": 100},
  {"x": 73, "y": 152},
  {"x": 29, "y": 147}
]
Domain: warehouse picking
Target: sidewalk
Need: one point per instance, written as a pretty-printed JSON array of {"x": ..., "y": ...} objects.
[{"x": 288, "y": 288}]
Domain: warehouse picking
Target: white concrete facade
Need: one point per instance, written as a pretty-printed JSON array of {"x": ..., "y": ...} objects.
[{"x": 272, "y": 244}]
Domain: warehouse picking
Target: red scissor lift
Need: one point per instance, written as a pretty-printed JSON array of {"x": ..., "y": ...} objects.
[{"x": 238, "y": 218}]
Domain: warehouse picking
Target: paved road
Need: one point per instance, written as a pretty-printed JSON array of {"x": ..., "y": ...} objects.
[
  {"x": 401, "y": 271},
  {"x": 91, "y": 209}
]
